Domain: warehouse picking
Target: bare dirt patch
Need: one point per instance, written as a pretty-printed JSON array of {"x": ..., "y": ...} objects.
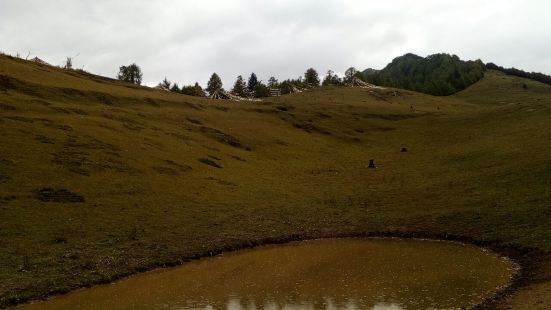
[
  {"x": 221, "y": 136},
  {"x": 43, "y": 139},
  {"x": 7, "y": 107},
  {"x": 309, "y": 128},
  {"x": 83, "y": 154},
  {"x": 194, "y": 121},
  {"x": 172, "y": 168},
  {"x": 209, "y": 162},
  {"x": 58, "y": 195}
]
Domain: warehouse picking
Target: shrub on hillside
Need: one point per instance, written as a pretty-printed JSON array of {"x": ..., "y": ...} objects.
[
  {"x": 286, "y": 87},
  {"x": 332, "y": 79},
  {"x": 193, "y": 90},
  {"x": 261, "y": 91},
  {"x": 131, "y": 73}
]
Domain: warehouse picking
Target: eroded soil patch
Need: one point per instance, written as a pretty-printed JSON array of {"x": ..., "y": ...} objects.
[{"x": 58, "y": 195}]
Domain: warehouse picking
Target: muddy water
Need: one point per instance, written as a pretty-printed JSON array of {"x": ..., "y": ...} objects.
[{"x": 319, "y": 274}]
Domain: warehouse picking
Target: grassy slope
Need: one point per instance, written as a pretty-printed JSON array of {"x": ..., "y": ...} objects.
[{"x": 478, "y": 165}]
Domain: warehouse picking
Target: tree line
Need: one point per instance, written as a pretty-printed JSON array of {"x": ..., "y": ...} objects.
[
  {"x": 536, "y": 76},
  {"x": 252, "y": 87},
  {"x": 438, "y": 74}
]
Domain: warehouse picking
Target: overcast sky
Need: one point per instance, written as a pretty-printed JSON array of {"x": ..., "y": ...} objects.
[{"x": 188, "y": 40}]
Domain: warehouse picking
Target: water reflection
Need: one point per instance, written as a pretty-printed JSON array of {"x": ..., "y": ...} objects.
[
  {"x": 328, "y": 304},
  {"x": 236, "y": 304},
  {"x": 323, "y": 274}
]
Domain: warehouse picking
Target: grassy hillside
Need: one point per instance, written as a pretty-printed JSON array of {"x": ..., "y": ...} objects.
[{"x": 100, "y": 179}]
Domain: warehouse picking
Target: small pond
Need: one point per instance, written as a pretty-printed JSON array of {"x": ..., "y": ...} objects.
[{"x": 355, "y": 273}]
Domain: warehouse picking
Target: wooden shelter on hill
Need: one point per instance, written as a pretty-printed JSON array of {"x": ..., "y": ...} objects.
[{"x": 275, "y": 92}]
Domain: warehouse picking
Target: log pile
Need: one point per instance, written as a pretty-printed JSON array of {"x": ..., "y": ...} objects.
[
  {"x": 161, "y": 87},
  {"x": 356, "y": 82},
  {"x": 275, "y": 92},
  {"x": 295, "y": 89},
  {"x": 224, "y": 95},
  {"x": 219, "y": 94}
]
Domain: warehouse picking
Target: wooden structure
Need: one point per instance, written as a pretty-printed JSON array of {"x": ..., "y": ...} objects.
[
  {"x": 224, "y": 95},
  {"x": 356, "y": 82},
  {"x": 162, "y": 87},
  {"x": 275, "y": 92}
]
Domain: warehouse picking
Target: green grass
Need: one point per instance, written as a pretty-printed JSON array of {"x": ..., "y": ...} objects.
[{"x": 478, "y": 165}]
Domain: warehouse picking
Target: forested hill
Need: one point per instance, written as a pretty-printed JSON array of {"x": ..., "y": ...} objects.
[{"x": 438, "y": 74}]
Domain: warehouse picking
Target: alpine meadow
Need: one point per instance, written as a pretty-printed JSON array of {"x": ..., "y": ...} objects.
[{"x": 427, "y": 183}]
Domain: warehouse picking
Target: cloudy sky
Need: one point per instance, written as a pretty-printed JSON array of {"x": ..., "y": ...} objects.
[{"x": 187, "y": 40}]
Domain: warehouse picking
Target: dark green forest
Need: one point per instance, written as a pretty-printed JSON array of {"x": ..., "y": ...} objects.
[{"x": 438, "y": 74}]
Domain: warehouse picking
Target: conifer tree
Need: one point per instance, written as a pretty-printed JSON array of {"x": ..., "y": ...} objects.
[
  {"x": 261, "y": 90},
  {"x": 198, "y": 90},
  {"x": 239, "y": 86},
  {"x": 165, "y": 84},
  {"x": 311, "y": 77},
  {"x": 328, "y": 78},
  {"x": 273, "y": 82},
  {"x": 253, "y": 81},
  {"x": 175, "y": 88},
  {"x": 214, "y": 84}
]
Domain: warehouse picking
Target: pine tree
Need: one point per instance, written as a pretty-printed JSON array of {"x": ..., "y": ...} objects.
[
  {"x": 328, "y": 78},
  {"x": 198, "y": 90},
  {"x": 253, "y": 81},
  {"x": 175, "y": 88},
  {"x": 214, "y": 84},
  {"x": 273, "y": 82},
  {"x": 239, "y": 87},
  {"x": 311, "y": 77},
  {"x": 165, "y": 84},
  {"x": 261, "y": 90}
]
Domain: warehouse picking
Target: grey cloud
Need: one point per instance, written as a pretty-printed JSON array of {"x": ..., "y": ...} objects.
[{"x": 188, "y": 40}]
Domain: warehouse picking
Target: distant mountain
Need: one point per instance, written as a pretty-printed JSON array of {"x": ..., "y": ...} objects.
[{"x": 438, "y": 74}]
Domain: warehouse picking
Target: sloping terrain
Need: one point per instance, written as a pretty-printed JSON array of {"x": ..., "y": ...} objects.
[{"x": 100, "y": 179}]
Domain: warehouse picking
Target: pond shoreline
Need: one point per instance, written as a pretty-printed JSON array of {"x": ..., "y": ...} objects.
[{"x": 524, "y": 258}]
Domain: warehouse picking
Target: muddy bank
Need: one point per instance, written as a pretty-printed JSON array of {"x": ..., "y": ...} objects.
[
  {"x": 361, "y": 273},
  {"x": 528, "y": 259}
]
